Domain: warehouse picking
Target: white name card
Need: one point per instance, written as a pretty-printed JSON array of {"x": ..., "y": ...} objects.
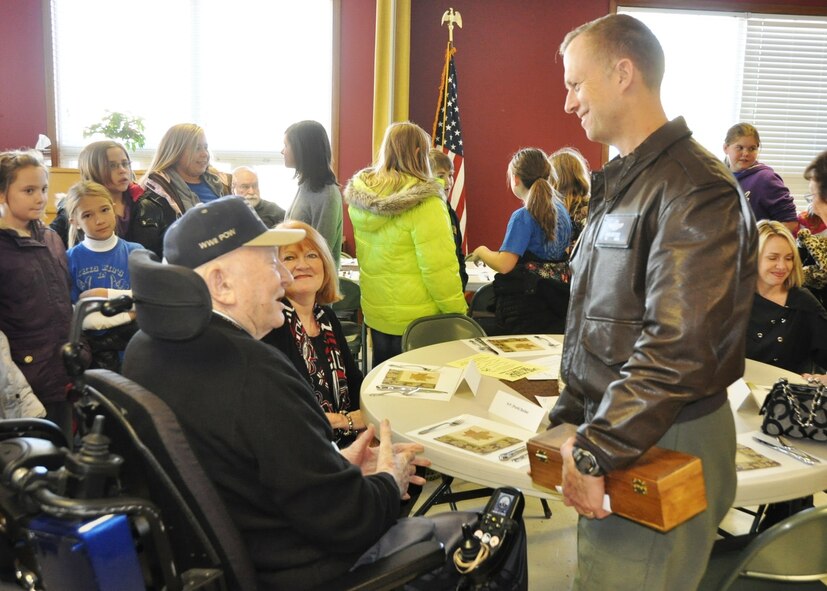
[
  {"x": 471, "y": 375},
  {"x": 517, "y": 410},
  {"x": 741, "y": 397}
]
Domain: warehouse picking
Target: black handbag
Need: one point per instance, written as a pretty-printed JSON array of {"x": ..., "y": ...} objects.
[{"x": 798, "y": 411}]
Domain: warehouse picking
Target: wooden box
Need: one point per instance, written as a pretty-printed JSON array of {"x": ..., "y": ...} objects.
[{"x": 664, "y": 488}]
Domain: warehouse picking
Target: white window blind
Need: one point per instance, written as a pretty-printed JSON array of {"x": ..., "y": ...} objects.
[
  {"x": 784, "y": 91},
  {"x": 768, "y": 70}
]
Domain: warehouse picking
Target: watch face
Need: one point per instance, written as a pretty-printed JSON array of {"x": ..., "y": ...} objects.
[{"x": 585, "y": 462}]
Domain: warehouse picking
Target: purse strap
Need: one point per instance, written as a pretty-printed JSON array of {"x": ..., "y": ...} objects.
[{"x": 795, "y": 404}]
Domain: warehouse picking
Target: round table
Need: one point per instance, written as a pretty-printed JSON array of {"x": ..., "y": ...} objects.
[{"x": 792, "y": 479}]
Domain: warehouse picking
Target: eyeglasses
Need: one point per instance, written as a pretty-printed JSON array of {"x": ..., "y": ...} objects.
[
  {"x": 125, "y": 164},
  {"x": 243, "y": 187},
  {"x": 808, "y": 198}
]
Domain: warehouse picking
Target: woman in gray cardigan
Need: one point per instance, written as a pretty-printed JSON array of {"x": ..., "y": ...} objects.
[{"x": 318, "y": 201}]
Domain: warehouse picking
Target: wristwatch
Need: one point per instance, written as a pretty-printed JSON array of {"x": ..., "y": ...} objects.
[{"x": 586, "y": 462}]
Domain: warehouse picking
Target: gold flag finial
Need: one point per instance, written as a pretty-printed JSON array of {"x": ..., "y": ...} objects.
[{"x": 452, "y": 18}]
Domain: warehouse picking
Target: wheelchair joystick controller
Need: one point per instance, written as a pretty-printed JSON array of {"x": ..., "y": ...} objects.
[
  {"x": 470, "y": 547},
  {"x": 92, "y": 469},
  {"x": 484, "y": 550}
]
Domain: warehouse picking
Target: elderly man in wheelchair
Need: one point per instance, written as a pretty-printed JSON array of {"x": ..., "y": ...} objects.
[{"x": 210, "y": 465}]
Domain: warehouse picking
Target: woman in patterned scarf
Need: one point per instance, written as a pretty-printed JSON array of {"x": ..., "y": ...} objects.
[{"x": 312, "y": 336}]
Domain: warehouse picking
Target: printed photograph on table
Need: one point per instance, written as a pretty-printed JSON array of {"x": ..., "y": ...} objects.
[
  {"x": 517, "y": 346},
  {"x": 747, "y": 458},
  {"x": 478, "y": 440},
  {"x": 411, "y": 378}
]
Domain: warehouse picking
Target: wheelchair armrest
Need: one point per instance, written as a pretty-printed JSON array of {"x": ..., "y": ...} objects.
[
  {"x": 392, "y": 571},
  {"x": 31, "y": 427}
]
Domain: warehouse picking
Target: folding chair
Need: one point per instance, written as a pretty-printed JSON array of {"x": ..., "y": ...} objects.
[
  {"x": 349, "y": 312},
  {"x": 482, "y": 302},
  {"x": 789, "y": 555},
  {"x": 439, "y": 328}
]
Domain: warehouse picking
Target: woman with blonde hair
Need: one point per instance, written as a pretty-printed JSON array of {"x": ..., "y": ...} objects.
[
  {"x": 531, "y": 285},
  {"x": 404, "y": 242},
  {"x": 570, "y": 176},
  {"x": 787, "y": 325},
  {"x": 312, "y": 337},
  {"x": 180, "y": 172}
]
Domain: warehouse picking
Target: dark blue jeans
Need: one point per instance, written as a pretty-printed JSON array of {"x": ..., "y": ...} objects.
[{"x": 385, "y": 346}]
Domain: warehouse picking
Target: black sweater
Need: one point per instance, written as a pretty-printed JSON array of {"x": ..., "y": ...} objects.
[
  {"x": 304, "y": 512},
  {"x": 793, "y": 336}
]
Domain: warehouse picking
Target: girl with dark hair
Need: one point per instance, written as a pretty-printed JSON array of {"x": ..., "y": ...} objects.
[
  {"x": 318, "y": 201},
  {"x": 812, "y": 237},
  {"x": 531, "y": 285},
  {"x": 35, "y": 310}
]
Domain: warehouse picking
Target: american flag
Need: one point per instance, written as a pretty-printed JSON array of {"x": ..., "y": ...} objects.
[{"x": 448, "y": 137}]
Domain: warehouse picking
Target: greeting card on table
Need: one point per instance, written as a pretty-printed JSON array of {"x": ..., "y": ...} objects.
[
  {"x": 500, "y": 443},
  {"x": 478, "y": 440},
  {"x": 429, "y": 382}
]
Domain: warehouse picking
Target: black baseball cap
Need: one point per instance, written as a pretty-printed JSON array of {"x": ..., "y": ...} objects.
[{"x": 206, "y": 232}]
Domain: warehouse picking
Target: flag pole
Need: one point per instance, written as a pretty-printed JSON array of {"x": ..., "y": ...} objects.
[
  {"x": 451, "y": 17},
  {"x": 447, "y": 133}
]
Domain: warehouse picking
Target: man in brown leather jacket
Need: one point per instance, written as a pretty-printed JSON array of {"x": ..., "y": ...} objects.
[{"x": 663, "y": 278}]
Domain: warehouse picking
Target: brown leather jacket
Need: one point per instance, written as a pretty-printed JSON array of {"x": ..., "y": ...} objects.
[{"x": 663, "y": 279}]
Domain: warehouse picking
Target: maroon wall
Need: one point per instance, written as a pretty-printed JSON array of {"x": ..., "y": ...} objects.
[
  {"x": 22, "y": 74},
  {"x": 511, "y": 91},
  {"x": 355, "y": 94}
]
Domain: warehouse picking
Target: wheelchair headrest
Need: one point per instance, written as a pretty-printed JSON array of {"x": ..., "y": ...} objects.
[{"x": 171, "y": 302}]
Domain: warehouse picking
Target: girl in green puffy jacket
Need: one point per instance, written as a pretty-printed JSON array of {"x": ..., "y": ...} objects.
[{"x": 404, "y": 242}]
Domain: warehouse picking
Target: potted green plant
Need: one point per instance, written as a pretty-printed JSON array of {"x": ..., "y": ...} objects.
[{"x": 119, "y": 126}]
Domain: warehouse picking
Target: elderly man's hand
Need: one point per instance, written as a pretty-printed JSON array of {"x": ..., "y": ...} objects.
[
  {"x": 397, "y": 459},
  {"x": 584, "y": 493}
]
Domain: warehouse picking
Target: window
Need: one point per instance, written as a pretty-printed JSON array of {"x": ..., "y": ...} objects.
[
  {"x": 243, "y": 70},
  {"x": 768, "y": 70}
]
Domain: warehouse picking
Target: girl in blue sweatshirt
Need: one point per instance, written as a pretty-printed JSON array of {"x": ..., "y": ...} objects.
[{"x": 98, "y": 267}]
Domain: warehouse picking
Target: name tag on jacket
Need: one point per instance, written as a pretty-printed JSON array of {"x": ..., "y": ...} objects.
[{"x": 616, "y": 230}]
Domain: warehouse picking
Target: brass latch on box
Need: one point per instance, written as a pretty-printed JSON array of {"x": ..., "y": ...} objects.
[
  {"x": 639, "y": 486},
  {"x": 541, "y": 455}
]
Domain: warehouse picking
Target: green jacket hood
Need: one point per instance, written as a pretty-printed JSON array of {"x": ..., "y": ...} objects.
[{"x": 393, "y": 201}]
